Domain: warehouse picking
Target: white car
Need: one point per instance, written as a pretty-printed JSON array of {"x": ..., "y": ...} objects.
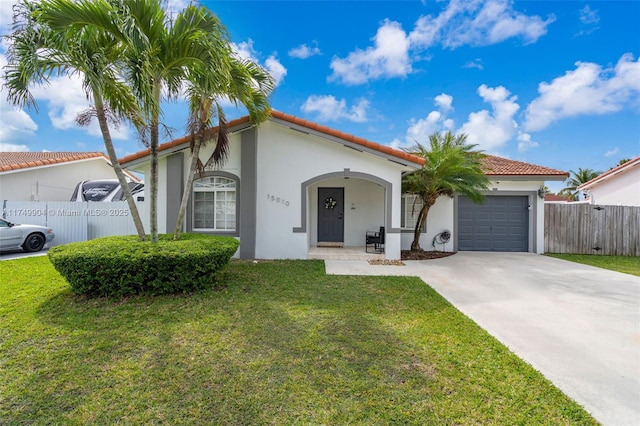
[{"x": 27, "y": 237}]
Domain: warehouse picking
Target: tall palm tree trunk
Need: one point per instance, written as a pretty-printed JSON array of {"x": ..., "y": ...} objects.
[
  {"x": 417, "y": 232},
  {"x": 153, "y": 150},
  {"x": 108, "y": 143},
  {"x": 186, "y": 193},
  {"x": 429, "y": 200}
]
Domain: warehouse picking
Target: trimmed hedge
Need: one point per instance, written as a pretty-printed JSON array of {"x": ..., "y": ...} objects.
[{"x": 121, "y": 266}]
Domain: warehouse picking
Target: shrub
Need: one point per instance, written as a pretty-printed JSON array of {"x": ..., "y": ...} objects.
[{"x": 120, "y": 266}]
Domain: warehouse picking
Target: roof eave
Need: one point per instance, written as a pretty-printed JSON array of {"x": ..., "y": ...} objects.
[{"x": 174, "y": 146}]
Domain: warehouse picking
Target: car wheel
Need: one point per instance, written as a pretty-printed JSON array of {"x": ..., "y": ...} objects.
[{"x": 34, "y": 242}]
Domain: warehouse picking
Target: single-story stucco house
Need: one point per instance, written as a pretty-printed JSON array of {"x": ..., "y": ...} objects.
[
  {"x": 290, "y": 185},
  {"x": 619, "y": 186}
]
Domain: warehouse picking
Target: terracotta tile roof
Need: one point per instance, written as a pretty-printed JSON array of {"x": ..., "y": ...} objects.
[
  {"x": 554, "y": 197},
  {"x": 23, "y": 160},
  {"x": 495, "y": 166},
  {"x": 297, "y": 121},
  {"x": 610, "y": 173},
  {"x": 498, "y": 166}
]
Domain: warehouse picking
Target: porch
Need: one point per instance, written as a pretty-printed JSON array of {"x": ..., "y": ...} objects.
[{"x": 342, "y": 253}]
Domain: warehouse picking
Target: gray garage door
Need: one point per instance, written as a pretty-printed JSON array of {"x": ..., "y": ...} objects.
[{"x": 500, "y": 224}]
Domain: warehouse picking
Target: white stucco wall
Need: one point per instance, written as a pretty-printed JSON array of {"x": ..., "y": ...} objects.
[
  {"x": 51, "y": 182},
  {"x": 618, "y": 190},
  {"x": 231, "y": 165},
  {"x": 286, "y": 158},
  {"x": 440, "y": 218}
]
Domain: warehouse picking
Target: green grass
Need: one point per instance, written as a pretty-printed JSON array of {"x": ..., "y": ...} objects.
[
  {"x": 625, "y": 264},
  {"x": 275, "y": 343}
]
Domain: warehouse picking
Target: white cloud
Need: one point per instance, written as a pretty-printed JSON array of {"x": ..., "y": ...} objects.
[
  {"x": 476, "y": 63},
  {"x": 525, "y": 143},
  {"x": 419, "y": 130},
  {"x": 328, "y": 108},
  {"x": 588, "y": 16},
  {"x": 612, "y": 152},
  {"x": 462, "y": 22},
  {"x": 15, "y": 124},
  {"x": 589, "y": 20},
  {"x": 444, "y": 102},
  {"x": 448, "y": 124},
  {"x": 492, "y": 130},
  {"x": 397, "y": 144},
  {"x": 173, "y": 7},
  {"x": 388, "y": 57},
  {"x": 244, "y": 50},
  {"x": 275, "y": 68},
  {"x": 11, "y": 147},
  {"x": 65, "y": 99},
  {"x": 6, "y": 20},
  {"x": 587, "y": 90},
  {"x": 477, "y": 23},
  {"x": 303, "y": 51}
]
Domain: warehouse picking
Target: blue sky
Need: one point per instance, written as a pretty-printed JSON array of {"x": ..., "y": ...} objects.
[{"x": 554, "y": 83}]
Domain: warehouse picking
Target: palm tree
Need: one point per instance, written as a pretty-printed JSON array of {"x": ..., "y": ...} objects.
[
  {"x": 573, "y": 182},
  {"x": 250, "y": 85},
  {"x": 451, "y": 167},
  {"x": 159, "y": 55},
  {"x": 37, "y": 51}
]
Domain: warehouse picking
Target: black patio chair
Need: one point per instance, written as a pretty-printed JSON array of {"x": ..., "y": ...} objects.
[{"x": 375, "y": 239}]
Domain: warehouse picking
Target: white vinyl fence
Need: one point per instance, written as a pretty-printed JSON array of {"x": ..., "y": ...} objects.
[{"x": 76, "y": 221}]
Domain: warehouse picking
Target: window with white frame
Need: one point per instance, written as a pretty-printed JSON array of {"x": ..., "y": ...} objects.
[
  {"x": 214, "y": 204},
  {"x": 411, "y": 206}
]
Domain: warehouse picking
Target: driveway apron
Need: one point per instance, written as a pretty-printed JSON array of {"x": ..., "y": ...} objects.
[{"x": 576, "y": 324}]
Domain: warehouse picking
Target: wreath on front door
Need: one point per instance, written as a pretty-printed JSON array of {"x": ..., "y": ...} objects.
[{"x": 330, "y": 203}]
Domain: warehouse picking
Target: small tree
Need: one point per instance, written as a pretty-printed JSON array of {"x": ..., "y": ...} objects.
[{"x": 452, "y": 167}]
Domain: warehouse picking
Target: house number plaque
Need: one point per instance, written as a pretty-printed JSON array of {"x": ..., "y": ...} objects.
[{"x": 278, "y": 200}]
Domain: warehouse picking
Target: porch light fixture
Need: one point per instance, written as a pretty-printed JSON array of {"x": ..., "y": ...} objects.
[
  {"x": 347, "y": 172},
  {"x": 541, "y": 193}
]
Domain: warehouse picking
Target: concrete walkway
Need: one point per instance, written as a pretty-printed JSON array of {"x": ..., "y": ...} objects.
[{"x": 576, "y": 324}]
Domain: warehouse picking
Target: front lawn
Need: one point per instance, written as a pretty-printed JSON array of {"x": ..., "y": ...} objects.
[
  {"x": 274, "y": 343},
  {"x": 625, "y": 264}
]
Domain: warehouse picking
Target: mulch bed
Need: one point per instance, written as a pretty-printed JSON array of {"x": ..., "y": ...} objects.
[
  {"x": 412, "y": 255},
  {"x": 424, "y": 255}
]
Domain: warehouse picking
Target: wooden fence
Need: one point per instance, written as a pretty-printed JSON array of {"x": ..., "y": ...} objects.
[{"x": 592, "y": 229}]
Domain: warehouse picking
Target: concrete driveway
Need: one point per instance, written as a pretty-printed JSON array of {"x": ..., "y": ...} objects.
[{"x": 576, "y": 324}]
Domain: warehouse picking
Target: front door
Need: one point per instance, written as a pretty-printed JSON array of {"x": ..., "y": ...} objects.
[{"x": 330, "y": 215}]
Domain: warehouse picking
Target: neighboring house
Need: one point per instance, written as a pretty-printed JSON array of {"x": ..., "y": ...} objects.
[
  {"x": 291, "y": 184},
  {"x": 50, "y": 176},
  {"x": 619, "y": 186}
]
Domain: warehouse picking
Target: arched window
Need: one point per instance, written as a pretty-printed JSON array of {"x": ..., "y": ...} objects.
[{"x": 214, "y": 204}]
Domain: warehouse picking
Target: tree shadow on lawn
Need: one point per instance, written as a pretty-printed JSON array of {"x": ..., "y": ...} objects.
[{"x": 282, "y": 342}]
